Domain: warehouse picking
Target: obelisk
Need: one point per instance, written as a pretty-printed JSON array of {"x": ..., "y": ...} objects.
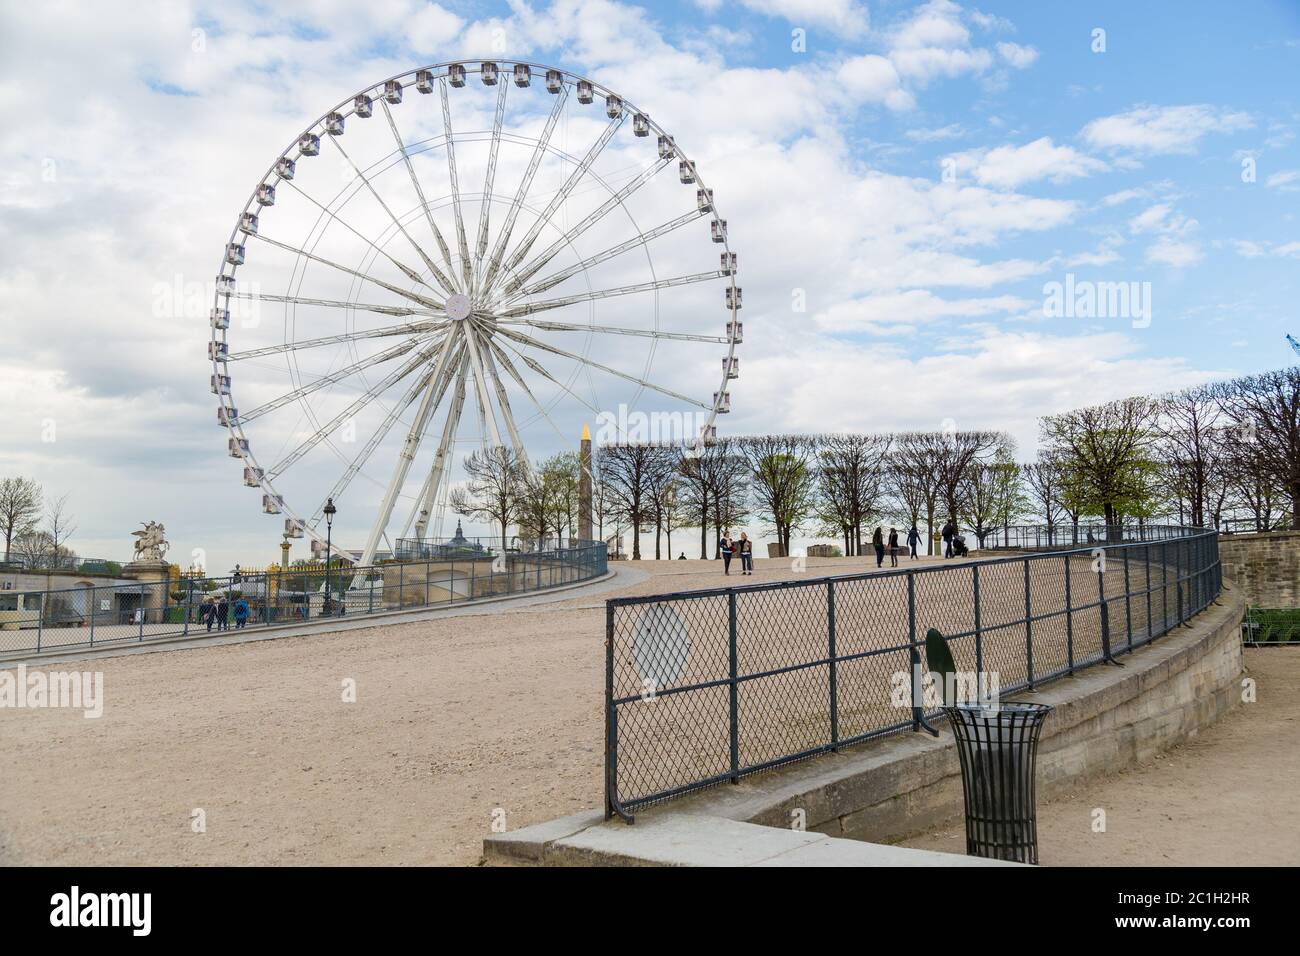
[{"x": 584, "y": 486}]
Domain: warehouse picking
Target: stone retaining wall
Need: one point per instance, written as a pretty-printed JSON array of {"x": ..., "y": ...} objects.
[{"x": 1267, "y": 566}]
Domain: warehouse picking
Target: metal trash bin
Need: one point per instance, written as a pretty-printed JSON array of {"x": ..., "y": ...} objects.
[{"x": 998, "y": 746}]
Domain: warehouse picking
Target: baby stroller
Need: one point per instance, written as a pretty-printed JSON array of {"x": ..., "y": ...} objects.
[{"x": 959, "y": 548}]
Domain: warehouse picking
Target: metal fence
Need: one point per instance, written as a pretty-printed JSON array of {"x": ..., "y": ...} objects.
[
  {"x": 709, "y": 686},
  {"x": 69, "y": 618}
]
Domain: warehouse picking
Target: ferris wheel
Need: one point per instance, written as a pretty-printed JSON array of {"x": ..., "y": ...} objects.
[{"x": 480, "y": 234}]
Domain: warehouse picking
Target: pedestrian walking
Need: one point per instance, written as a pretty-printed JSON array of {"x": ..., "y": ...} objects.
[
  {"x": 949, "y": 532},
  {"x": 893, "y": 547},
  {"x": 241, "y": 613},
  {"x": 727, "y": 548},
  {"x": 878, "y": 541},
  {"x": 913, "y": 539},
  {"x": 746, "y": 554},
  {"x": 223, "y": 613},
  {"x": 208, "y": 613}
]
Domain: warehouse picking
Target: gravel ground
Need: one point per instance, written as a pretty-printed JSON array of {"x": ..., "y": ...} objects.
[
  {"x": 454, "y": 718},
  {"x": 460, "y": 718}
]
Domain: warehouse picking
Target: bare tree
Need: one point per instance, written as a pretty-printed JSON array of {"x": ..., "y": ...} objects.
[
  {"x": 1265, "y": 408},
  {"x": 917, "y": 454},
  {"x": 628, "y": 470},
  {"x": 59, "y": 528},
  {"x": 783, "y": 480},
  {"x": 850, "y": 479},
  {"x": 20, "y": 507},
  {"x": 1043, "y": 479},
  {"x": 1106, "y": 446},
  {"x": 493, "y": 490},
  {"x": 664, "y": 479},
  {"x": 1191, "y": 447}
]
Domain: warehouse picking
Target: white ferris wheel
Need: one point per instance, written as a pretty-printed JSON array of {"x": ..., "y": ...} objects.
[{"x": 481, "y": 234}]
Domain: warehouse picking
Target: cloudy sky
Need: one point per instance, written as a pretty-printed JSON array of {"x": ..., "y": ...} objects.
[{"x": 904, "y": 183}]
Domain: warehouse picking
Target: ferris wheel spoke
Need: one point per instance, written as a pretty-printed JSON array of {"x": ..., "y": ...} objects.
[
  {"x": 428, "y": 303},
  {"x": 394, "y": 310},
  {"x": 362, "y": 456},
  {"x": 591, "y": 363},
  {"x": 555, "y": 278},
  {"x": 526, "y": 243},
  {"x": 409, "y": 328},
  {"x": 493, "y": 150},
  {"x": 352, "y": 410},
  {"x": 465, "y": 266},
  {"x": 397, "y": 263},
  {"x": 536, "y": 367},
  {"x": 503, "y": 403},
  {"x": 614, "y": 330},
  {"x": 540, "y": 369},
  {"x": 657, "y": 284},
  {"x": 379, "y": 358},
  {"x": 522, "y": 274},
  {"x": 423, "y": 505},
  {"x": 525, "y": 184},
  {"x": 444, "y": 280},
  {"x": 424, "y": 256},
  {"x": 410, "y": 446}
]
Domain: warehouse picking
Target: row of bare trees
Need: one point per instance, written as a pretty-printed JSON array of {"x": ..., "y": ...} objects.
[
  {"x": 35, "y": 530},
  {"x": 1222, "y": 455},
  {"x": 1206, "y": 456}
]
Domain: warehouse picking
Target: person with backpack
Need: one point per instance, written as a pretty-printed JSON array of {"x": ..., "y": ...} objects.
[
  {"x": 878, "y": 542},
  {"x": 241, "y": 613}
]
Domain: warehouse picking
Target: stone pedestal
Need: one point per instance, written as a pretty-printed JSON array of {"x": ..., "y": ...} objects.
[{"x": 153, "y": 574}]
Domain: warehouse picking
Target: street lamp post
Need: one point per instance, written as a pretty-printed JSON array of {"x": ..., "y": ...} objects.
[{"x": 329, "y": 513}]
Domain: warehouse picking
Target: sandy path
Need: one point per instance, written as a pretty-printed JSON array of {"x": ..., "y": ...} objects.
[
  {"x": 453, "y": 719},
  {"x": 1221, "y": 799}
]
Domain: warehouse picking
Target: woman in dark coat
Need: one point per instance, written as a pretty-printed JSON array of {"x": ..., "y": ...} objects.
[
  {"x": 878, "y": 541},
  {"x": 727, "y": 549},
  {"x": 893, "y": 547}
]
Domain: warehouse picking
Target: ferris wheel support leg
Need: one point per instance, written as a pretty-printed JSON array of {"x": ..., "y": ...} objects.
[
  {"x": 409, "y": 448},
  {"x": 424, "y": 507},
  {"x": 480, "y": 388}
]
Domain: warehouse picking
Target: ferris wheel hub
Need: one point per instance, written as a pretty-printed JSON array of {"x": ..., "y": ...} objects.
[{"x": 458, "y": 307}]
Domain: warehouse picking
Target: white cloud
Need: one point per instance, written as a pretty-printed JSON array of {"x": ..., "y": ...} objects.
[
  {"x": 1162, "y": 129},
  {"x": 1020, "y": 57},
  {"x": 1173, "y": 252},
  {"x": 1288, "y": 180},
  {"x": 847, "y": 17},
  {"x": 1008, "y": 167},
  {"x": 910, "y": 308},
  {"x": 874, "y": 79}
]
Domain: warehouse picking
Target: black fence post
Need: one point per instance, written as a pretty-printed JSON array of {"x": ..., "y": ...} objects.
[
  {"x": 734, "y": 703},
  {"x": 1128, "y": 603},
  {"x": 830, "y": 640},
  {"x": 1069, "y": 618},
  {"x": 1029, "y": 633},
  {"x": 979, "y": 631}
]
